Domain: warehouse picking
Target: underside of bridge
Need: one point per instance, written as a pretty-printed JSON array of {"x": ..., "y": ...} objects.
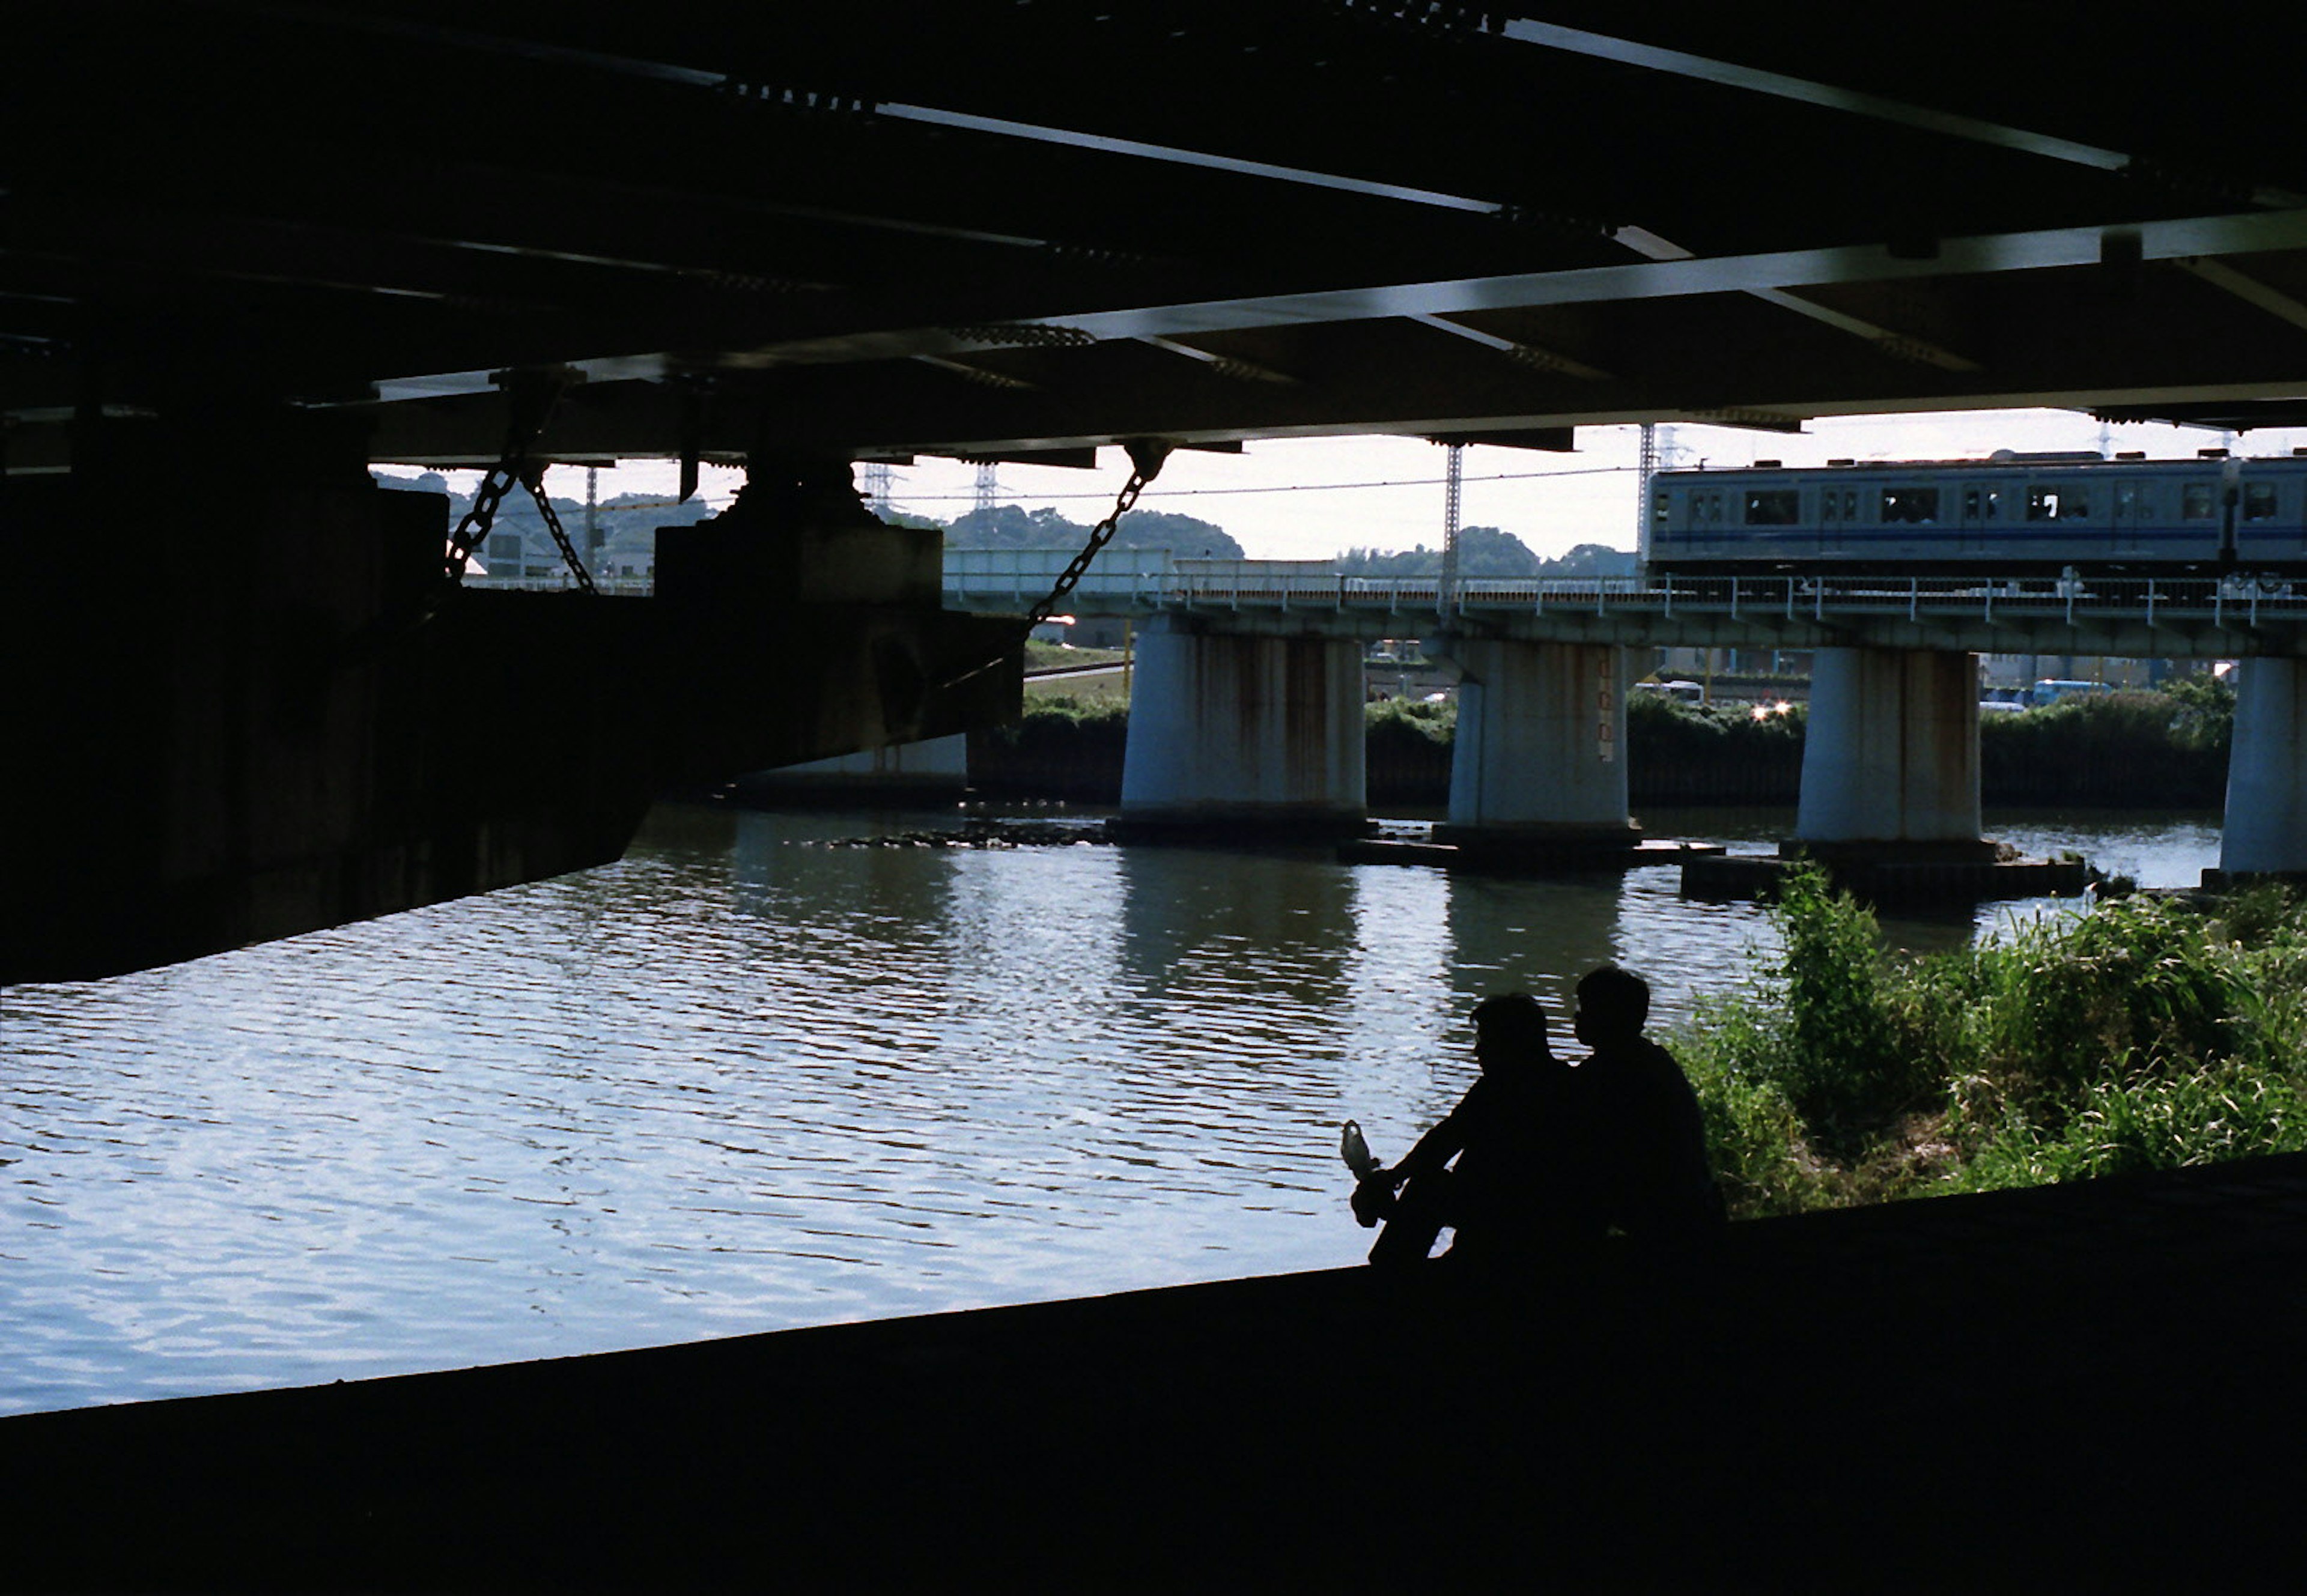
[{"x": 246, "y": 248}]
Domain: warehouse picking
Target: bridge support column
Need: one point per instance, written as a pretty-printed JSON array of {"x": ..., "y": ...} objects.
[
  {"x": 1890, "y": 760},
  {"x": 2266, "y": 827},
  {"x": 1539, "y": 757},
  {"x": 1232, "y": 731}
]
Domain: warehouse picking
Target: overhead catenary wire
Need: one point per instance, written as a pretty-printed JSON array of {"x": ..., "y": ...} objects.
[{"x": 1313, "y": 487}]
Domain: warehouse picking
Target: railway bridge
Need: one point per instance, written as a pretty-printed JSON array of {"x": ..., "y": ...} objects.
[
  {"x": 250, "y": 247},
  {"x": 1247, "y": 704}
]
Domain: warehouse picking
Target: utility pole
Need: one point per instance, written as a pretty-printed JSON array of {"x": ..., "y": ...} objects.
[
  {"x": 592, "y": 515},
  {"x": 1645, "y": 467},
  {"x": 1452, "y": 479}
]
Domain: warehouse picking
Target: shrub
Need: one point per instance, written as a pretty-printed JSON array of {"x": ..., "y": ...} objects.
[
  {"x": 1413, "y": 718},
  {"x": 2086, "y": 747},
  {"x": 2144, "y": 1033}
]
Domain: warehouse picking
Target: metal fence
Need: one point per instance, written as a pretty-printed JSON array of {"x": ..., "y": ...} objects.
[{"x": 1145, "y": 581}]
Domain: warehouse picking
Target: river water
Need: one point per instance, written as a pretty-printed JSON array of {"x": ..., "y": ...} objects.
[{"x": 752, "y": 1077}]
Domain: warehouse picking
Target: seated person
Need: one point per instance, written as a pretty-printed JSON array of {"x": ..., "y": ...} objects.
[
  {"x": 1642, "y": 1140},
  {"x": 1510, "y": 1194}
]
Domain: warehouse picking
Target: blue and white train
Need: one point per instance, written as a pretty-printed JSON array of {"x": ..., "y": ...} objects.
[{"x": 2011, "y": 514}]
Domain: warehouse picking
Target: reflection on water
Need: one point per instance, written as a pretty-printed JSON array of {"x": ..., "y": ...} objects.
[
  {"x": 1241, "y": 921},
  {"x": 744, "y": 1079},
  {"x": 1535, "y": 936}
]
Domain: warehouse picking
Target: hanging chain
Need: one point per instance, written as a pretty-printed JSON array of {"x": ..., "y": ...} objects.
[
  {"x": 533, "y": 395},
  {"x": 533, "y": 478},
  {"x": 474, "y": 529},
  {"x": 1146, "y": 458}
]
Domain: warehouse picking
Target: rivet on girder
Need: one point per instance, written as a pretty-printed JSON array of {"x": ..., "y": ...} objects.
[
  {"x": 977, "y": 375},
  {"x": 1029, "y": 335}
]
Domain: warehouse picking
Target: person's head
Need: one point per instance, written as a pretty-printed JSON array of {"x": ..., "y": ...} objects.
[
  {"x": 1612, "y": 1005},
  {"x": 1510, "y": 1028}
]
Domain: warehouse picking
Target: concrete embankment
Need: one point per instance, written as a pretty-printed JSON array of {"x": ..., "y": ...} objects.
[{"x": 2097, "y": 1385}]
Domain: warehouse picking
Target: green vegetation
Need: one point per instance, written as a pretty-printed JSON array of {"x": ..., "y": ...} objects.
[
  {"x": 1051, "y": 715},
  {"x": 1711, "y": 753},
  {"x": 2168, "y": 744},
  {"x": 1488, "y": 551},
  {"x": 2146, "y": 1034},
  {"x": 1014, "y": 527},
  {"x": 1412, "y": 718},
  {"x": 2164, "y": 749}
]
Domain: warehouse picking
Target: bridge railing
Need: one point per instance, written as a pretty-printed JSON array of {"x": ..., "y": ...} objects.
[
  {"x": 1148, "y": 580},
  {"x": 2228, "y": 600}
]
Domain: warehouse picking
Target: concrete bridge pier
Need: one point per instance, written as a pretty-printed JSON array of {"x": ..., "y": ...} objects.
[
  {"x": 2266, "y": 827},
  {"x": 1239, "y": 731},
  {"x": 1540, "y": 759},
  {"x": 1890, "y": 760}
]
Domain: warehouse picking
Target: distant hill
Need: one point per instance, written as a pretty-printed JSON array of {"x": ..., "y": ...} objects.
[
  {"x": 628, "y": 523},
  {"x": 1488, "y": 552},
  {"x": 1012, "y": 527}
]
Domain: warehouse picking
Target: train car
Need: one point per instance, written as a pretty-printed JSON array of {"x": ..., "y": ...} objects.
[{"x": 2009, "y": 514}]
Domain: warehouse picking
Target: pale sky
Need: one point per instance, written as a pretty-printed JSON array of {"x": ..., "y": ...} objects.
[{"x": 1301, "y": 499}]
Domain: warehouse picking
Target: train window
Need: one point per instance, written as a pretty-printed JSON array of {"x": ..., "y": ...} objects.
[
  {"x": 2198, "y": 504},
  {"x": 1910, "y": 505},
  {"x": 1982, "y": 504},
  {"x": 1659, "y": 515},
  {"x": 1773, "y": 507},
  {"x": 2056, "y": 504},
  {"x": 2258, "y": 501}
]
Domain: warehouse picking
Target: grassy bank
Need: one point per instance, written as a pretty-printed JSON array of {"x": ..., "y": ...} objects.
[{"x": 2147, "y": 1033}]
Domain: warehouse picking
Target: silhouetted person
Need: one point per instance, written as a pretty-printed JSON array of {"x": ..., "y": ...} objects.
[
  {"x": 1643, "y": 1142},
  {"x": 1506, "y": 1195}
]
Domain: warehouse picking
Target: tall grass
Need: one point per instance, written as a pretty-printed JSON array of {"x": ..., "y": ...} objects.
[{"x": 2146, "y": 1034}]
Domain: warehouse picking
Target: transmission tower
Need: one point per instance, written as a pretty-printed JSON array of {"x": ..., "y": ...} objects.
[
  {"x": 988, "y": 488},
  {"x": 881, "y": 483},
  {"x": 1658, "y": 451}
]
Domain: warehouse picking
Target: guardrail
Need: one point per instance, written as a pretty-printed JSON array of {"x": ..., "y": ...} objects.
[
  {"x": 2239, "y": 601},
  {"x": 1152, "y": 581}
]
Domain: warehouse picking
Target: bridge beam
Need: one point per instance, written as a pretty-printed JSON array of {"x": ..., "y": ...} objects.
[
  {"x": 2266, "y": 828},
  {"x": 1890, "y": 760},
  {"x": 1541, "y": 748},
  {"x": 1231, "y": 731}
]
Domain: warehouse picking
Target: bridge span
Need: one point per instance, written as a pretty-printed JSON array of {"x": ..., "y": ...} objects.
[
  {"x": 1248, "y": 689},
  {"x": 1247, "y": 701},
  {"x": 2165, "y": 617}
]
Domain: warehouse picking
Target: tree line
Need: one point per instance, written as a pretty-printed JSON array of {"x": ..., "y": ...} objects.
[{"x": 1482, "y": 551}]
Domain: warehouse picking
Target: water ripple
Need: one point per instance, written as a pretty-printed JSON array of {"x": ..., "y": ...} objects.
[{"x": 741, "y": 1081}]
